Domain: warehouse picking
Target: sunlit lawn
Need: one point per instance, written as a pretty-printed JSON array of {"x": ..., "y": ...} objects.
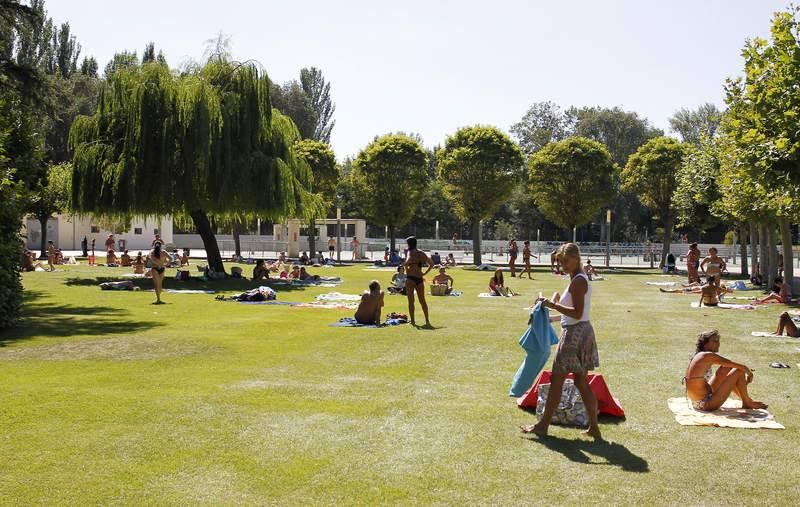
[{"x": 105, "y": 398}]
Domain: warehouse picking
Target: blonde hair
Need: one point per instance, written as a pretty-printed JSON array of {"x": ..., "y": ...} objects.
[{"x": 567, "y": 250}]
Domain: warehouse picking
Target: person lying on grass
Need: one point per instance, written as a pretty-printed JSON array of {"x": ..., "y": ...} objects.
[
  {"x": 706, "y": 391},
  {"x": 785, "y": 323},
  {"x": 369, "y": 308},
  {"x": 710, "y": 292},
  {"x": 444, "y": 279},
  {"x": 781, "y": 292},
  {"x": 306, "y": 276}
]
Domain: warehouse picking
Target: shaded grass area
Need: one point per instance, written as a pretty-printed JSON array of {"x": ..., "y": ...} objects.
[{"x": 107, "y": 398}]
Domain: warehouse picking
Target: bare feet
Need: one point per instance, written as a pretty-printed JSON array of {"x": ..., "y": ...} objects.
[
  {"x": 537, "y": 429},
  {"x": 753, "y": 404},
  {"x": 593, "y": 432}
]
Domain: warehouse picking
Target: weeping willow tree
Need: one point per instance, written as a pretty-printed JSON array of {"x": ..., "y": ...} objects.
[{"x": 206, "y": 142}]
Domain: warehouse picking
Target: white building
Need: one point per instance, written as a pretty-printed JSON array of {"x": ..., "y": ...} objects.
[{"x": 67, "y": 231}]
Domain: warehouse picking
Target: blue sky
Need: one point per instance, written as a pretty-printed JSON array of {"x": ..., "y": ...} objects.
[{"x": 433, "y": 66}]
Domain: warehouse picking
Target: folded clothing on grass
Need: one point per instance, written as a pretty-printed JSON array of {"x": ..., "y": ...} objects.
[{"x": 730, "y": 415}]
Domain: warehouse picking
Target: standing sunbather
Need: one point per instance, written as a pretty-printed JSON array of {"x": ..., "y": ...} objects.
[
  {"x": 708, "y": 392},
  {"x": 715, "y": 265},
  {"x": 160, "y": 260},
  {"x": 526, "y": 258},
  {"x": 51, "y": 256},
  {"x": 693, "y": 263},
  {"x": 415, "y": 261},
  {"x": 589, "y": 270},
  {"x": 785, "y": 323},
  {"x": 369, "y": 309},
  {"x": 513, "y": 251}
]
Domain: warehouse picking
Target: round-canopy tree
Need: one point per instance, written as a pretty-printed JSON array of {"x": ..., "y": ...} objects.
[
  {"x": 199, "y": 143},
  {"x": 325, "y": 173},
  {"x": 479, "y": 167},
  {"x": 652, "y": 173},
  {"x": 571, "y": 180},
  {"x": 391, "y": 176}
]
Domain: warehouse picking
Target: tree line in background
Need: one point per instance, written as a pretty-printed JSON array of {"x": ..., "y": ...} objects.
[{"x": 216, "y": 143}]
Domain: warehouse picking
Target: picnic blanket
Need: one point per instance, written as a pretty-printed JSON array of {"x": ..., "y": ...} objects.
[
  {"x": 606, "y": 403},
  {"x": 725, "y": 306},
  {"x": 730, "y": 415},
  {"x": 351, "y": 322},
  {"x": 338, "y": 296}
]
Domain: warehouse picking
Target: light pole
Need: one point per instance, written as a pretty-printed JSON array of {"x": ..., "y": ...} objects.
[
  {"x": 338, "y": 235},
  {"x": 608, "y": 238}
]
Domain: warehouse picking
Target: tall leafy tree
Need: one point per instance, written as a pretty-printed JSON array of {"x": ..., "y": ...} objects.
[
  {"x": 571, "y": 180},
  {"x": 50, "y": 197},
  {"x": 390, "y": 175},
  {"x": 651, "y": 173},
  {"x": 543, "y": 123},
  {"x": 479, "y": 166},
  {"x": 694, "y": 125},
  {"x": 325, "y": 175},
  {"x": 318, "y": 92},
  {"x": 200, "y": 143},
  {"x": 291, "y": 100}
]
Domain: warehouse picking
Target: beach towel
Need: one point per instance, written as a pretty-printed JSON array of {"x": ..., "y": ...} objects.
[
  {"x": 536, "y": 341},
  {"x": 487, "y": 295},
  {"x": 606, "y": 403},
  {"x": 337, "y": 296},
  {"x": 279, "y": 303},
  {"x": 724, "y": 306},
  {"x": 770, "y": 334},
  {"x": 730, "y": 415},
  {"x": 351, "y": 322},
  {"x": 328, "y": 305},
  {"x": 190, "y": 291},
  {"x": 662, "y": 284}
]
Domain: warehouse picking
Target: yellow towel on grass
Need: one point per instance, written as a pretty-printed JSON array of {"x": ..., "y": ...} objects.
[{"x": 730, "y": 415}]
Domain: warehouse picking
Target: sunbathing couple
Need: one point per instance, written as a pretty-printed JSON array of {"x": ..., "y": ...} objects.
[
  {"x": 261, "y": 272},
  {"x": 707, "y": 391},
  {"x": 399, "y": 281}
]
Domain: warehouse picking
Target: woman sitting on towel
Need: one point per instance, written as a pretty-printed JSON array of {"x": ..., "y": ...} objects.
[
  {"x": 444, "y": 279},
  {"x": 138, "y": 264},
  {"x": 785, "y": 323},
  {"x": 710, "y": 292},
  {"x": 781, "y": 292},
  {"x": 450, "y": 261},
  {"x": 125, "y": 259},
  {"x": 369, "y": 309},
  {"x": 398, "y": 281},
  {"x": 577, "y": 347},
  {"x": 707, "y": 391},
  {"x": 497, "y": 286},
  {"x": 260, "y": 271}
]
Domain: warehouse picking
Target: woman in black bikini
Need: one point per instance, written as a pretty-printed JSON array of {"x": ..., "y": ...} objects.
[
  {"x": 159, "y": 261},
  {"x": 415, "y": 260},
  {"x": 708, "y": 392}
]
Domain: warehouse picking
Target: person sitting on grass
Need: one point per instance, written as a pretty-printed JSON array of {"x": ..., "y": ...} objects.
[
  {"x": 29, "y": 262},
  {"x": 444, "y": 279},
  {"x": 398, "y": 281},
  {"x": 781, "y": 292},
  {"x": 589, "y": 270},
  {"x": 125, "y": 259},
  {"x": 497, "y": 286},
  {"x": 304, "y": 259},
  {"x": 707, "y": 392},
  {"x": 450, "y": 261},
  {"x": 294, "y": 274},
  {"x": 260, "y": 271},
  {"x": 710, "y": 292},
  {"x": 111, "y": 259},
  {"x": 369, "y": 308},
  {"x": 786, "y": 323},
  {"x": 306, "y": 276},
  {"x": 138, "y": 264}
]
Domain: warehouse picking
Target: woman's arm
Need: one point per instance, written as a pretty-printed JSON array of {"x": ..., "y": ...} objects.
[
  {"x": 430, "y": 264},
  {"x": 578, "y": 289},
  {"x": 718, "y": 359},
  {"x": 703, "y": 264}
]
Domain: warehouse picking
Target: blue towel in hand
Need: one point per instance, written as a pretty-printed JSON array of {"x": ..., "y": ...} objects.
[{"x": 536, "y": 341}]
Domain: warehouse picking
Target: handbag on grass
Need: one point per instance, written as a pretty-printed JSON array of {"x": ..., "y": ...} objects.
[{"x": 571, "y": 411}]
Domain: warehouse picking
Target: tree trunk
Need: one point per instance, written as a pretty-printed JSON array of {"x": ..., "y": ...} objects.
[
  {"x": 206, "y": 233},
  {"x": 392, "y": 241},
  {"x": 773, "y": 253},
  {"x": 668, "y": 224},
  {"x": 753, "y": 249},
  {"x": 312, "y": 237},
  {"x": 786, "y": 241},
  {"x": 43, "y": 222},
  {"x": 743, "y": 248},
  {"x": 237, "y": 243},
  {"x": 476, "y": 242},
  {"x": 762, "y": 251}
]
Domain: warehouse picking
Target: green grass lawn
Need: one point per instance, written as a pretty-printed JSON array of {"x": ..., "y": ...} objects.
[{"x": 105, "y": 398}]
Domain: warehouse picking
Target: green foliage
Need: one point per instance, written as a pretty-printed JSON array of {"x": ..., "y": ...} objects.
[
  {"x": 10, "y": 249},
  {"x": 696, "y": 125},
  {"x": 543, "y": 123},
  {"x": 318, "y": 92},
  {"x": 322, "y": 161},
  {"x": 52, "y": 196},
  {"x": 390, "y": 176},
  {"x": 622, "y": 132},
  {"x": 571, "y": 180},
  {"x": 291, "y": 100},
  {"x": 479, "y": 167},
  {"x": 761, "y": 142},
  {"x": 697, "y": 196},
  {"x": 652, "y": 173}
]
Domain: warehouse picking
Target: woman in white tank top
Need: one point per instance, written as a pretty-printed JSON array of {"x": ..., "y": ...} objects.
[{"x": 577, "y": 348}]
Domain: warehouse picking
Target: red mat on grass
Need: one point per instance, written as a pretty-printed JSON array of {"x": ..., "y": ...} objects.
[{"x": 606, "y": 403}]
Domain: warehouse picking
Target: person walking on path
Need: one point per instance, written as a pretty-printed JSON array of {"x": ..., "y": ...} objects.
[
  {"x": 415, "y": 261},
  {"x": 513, "y": 252},
  {"x": 577, "y": 348},
  {"x": 159, "y": 260},
  {"x": 526, "y": 258}
]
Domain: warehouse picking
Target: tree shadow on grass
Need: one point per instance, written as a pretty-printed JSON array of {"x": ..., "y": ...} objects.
[
  {"x": 46, "y": 319},
  {"x": 579, "y": 451},
  {"x": 195, "y": 283}
]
